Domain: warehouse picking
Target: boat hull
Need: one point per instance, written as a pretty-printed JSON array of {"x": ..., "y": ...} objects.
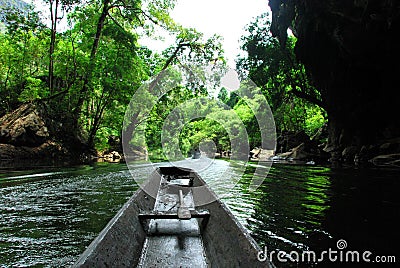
[{"x": 227, "y": 243}]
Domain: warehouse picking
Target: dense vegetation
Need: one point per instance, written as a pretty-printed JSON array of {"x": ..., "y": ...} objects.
[
  {"x": 87, "y": 74},
  {"x": 296, "y": 104}
]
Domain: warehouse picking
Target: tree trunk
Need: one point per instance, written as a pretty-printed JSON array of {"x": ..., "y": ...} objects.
[
  {"x": 97, "y": 119},
  {"x": 53, "y": 14},
  {"x": 128, "y": 132},
  {"x": 130, "y": 128},
  {"x": 85, "y": 87}
]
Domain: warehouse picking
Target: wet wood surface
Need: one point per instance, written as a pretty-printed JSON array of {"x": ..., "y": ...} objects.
[{"x": 174, "y": 239}]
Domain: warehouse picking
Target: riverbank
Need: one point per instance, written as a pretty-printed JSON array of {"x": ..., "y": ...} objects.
[{"x": 28, "y": 133}]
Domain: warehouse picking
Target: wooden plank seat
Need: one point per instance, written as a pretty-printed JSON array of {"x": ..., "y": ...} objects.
[
  {"x": 173, "y": 231},
  {"x": 203, "y": 215}
]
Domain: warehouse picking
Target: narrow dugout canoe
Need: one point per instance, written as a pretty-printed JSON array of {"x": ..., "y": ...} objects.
[{"x": 175, "y": 220}]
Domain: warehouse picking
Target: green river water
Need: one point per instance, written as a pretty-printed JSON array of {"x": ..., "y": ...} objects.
[{"x": 49, "y": 215}]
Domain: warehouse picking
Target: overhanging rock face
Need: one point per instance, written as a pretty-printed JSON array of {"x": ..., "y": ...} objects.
[{"x": 350, "y": 50}]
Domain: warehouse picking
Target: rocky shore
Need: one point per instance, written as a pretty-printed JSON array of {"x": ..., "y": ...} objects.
[
  {"x": 300, "y": 147},
  {"x": 26, "y": 133}
]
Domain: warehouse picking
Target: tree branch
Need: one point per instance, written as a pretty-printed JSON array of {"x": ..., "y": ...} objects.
[
  {"x": 301, "y": 94},
  {"x": 55, "y": 95},
  {"x": 116, "y": 22}
]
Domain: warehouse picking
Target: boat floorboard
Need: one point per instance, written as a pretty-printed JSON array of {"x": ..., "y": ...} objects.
[
  {"x": 173, "y": 242},
  {"x": 173, "y": 251}
]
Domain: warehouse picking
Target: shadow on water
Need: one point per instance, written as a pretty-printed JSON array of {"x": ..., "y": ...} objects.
[
  {"x": 49, "y": 215},
  {"x": 303, "y": 208}
]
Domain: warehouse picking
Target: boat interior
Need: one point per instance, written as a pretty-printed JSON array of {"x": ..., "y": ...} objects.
[
  {"x": 174, "y": 220},
  {"x": 174, "y": 226}
]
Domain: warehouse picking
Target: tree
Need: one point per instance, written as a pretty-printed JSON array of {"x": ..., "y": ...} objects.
[
  {"x": 282, "y": 79},
  {"x": 86, "y": 75},
  {"x": 223, "y": 95},
  {"x": 189, "y": 50},
  {"x": 21, "y": 58},
  {"x": 118, "y": 13},
  {"x": 55, "y": 7}
]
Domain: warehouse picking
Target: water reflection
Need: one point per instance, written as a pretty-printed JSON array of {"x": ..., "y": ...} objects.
[
  {"x": 364, "y": 211},
  {"x": 289, "y": 208},
  {"x": 302, "y": 208},
  {"x": 49, "y": 216}
]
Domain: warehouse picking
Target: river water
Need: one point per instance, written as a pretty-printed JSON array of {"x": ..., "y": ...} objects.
[{"x": 49, "y": 215}]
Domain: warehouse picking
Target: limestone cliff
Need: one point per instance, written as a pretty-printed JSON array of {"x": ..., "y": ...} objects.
[{"x": 350, "y": 49}]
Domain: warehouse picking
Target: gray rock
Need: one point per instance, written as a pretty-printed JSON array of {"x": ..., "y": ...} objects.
[
  {"x": 349, "y": 153},
  {"x": 46, "y": 150},
  {"x": 23, "y": 127},
  {"x": 261, "y": 154},
  {"x": 386, "y": 160},
  {"x": 297, "y": 153}
]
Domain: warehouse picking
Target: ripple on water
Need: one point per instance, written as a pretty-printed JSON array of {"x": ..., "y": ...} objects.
[{"x": 48, "y": 219}]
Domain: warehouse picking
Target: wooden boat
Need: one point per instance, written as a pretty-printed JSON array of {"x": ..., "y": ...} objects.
[{"x": 175, "y": 220}]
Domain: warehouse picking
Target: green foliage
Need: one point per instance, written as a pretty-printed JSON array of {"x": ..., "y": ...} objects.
[
  {"x": 111, "y": 75},
  {"x": 117, "y": 69},
  {"x": 34, "y": 89},
  {"x": 22, "y": 50},
  {"x": 19, "y": 19},
  {"x": 160, "y": 112},
  {"x": 249, "y": 120},
  {"x": 223, "y": 95},
  {"x": 295, "y": 103},
  {"x": 315, "y": 120}
]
